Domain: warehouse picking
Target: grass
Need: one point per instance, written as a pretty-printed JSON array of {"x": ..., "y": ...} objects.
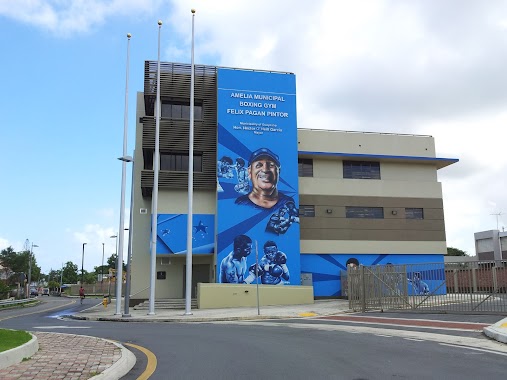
[{"x": 12, "y": 338}]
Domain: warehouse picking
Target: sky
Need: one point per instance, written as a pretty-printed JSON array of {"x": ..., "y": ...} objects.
[{"x": 426, "y": 67}]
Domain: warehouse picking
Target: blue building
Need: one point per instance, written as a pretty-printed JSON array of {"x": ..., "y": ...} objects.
[{"x": 318, "y": 199}]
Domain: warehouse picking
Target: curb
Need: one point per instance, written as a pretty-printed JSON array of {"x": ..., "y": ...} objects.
[
  {"x": 121, "y": 367},
  {"x": 17, "y": 354},
  {"x": 177, "y": 320},
  {"x": 498, "y": 331}
]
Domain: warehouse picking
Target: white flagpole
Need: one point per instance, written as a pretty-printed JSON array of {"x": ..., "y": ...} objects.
[
  {"x": 124, "y": 159},
  {"x": 154, "y": 194},
  {"x": 188, "y": 289}
]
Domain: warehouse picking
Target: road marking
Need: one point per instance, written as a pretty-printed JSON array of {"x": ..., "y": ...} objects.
[
  {"x": 422, "y": 323},
  {"x": 151, "y": 366},
  {"x": 474, "y": 348},
  {"x": 385, "y": 336},
  {"x": 415, "y": 340},
  {"x": 39, "y": 311},
  {"x": 61, "y": 327},
  {"x": 462, "y": 341},
  {"x": 400, "y": 325},
  {"x": 310, "y": 314}
]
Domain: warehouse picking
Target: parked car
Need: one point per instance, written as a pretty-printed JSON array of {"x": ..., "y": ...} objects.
[
  {"x": 34, "y": 292},
  {"x": 45, "y": 291},
  {"x": 14, "y": 293}
]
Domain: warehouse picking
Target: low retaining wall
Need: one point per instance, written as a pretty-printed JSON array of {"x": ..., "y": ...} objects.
[
  {"x": 17, "y": 354},
  {"x": 215, "y": 296}
]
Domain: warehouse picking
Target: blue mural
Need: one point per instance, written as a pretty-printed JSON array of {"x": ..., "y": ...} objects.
[
  {"x": 326, "y": 271},
  {"x": 172, "y": 233},
  {"x": 257, "y": 178}
]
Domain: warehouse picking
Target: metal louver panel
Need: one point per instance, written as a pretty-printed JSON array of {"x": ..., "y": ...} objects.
[{"x": 174, "y": 133}]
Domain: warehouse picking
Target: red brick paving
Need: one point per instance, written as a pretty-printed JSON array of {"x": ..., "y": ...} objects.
[{"x": 409, "y": 322}]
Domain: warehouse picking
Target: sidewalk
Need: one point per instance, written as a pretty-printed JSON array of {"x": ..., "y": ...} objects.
[{"x": 319, "y": 308}]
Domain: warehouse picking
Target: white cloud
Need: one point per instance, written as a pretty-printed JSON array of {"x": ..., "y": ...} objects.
[
  {"x": 4, "y": 243},
  {"x": 67, "y": 17},
  {"x": 424, "y": 67}
]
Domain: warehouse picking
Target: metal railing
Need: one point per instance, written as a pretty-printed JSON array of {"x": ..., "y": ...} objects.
[
  {"x": 10, "y": 302},
  {"x": 471, "y": 287}
]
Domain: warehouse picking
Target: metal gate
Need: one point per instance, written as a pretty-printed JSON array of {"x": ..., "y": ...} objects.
[{"x": 471, "y": 287}]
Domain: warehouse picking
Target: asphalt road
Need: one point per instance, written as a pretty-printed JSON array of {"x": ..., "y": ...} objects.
[{"x": 293, "y": 349}]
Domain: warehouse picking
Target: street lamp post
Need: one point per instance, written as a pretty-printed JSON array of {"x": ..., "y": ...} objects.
[
  {"x": 126, "y": 312},
  {"x": 61, "y": 280},
  {"x": 154, "y": 194},
  {"x": 82, "y": 266},
  {"x": 30, "y": 268},
  {"x": 102, "y": 272},
  {"x": 124, "y": 159},
  {"x": 116, "y": 254}
]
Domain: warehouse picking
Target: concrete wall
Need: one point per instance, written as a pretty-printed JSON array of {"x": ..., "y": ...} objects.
[
  {"x": 366, "y": 143},
  {"x": 210, "y": 296}
]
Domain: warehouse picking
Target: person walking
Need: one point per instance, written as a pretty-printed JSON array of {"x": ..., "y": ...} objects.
[{"x": 81, "y": 294}]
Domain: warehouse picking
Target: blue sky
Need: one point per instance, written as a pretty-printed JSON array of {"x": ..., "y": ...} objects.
[{"x": 423, "y": 67}]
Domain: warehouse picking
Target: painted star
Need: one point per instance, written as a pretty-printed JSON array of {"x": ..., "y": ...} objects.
[{"x": 201, "y": 227}]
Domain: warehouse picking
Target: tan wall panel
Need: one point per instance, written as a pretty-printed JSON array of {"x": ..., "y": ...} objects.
[
  {"x": 389, "y": 235},
  {"x": 362, "y": 187},
  {"x": 365, "y": 143},
  {"x": 176, "y": 202},
  {"x": 173, "y": 285},
  {"x": 394, "y": 202},
  {"x": 372, "y": 247},
  {"x": 371, "y": 224},
  {"x": 391, "y": 171},
  {"x": 211, "y": 296},
  {"x": 325, "y": 168}
]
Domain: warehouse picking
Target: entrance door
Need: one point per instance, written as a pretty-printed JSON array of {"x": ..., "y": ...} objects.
[{"x": 200, "y": 273}]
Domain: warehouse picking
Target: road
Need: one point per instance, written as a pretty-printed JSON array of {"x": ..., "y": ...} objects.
[{"x": 296, "y": 349}]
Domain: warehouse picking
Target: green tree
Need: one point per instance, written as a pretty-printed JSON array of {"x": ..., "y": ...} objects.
[
  {"x": 111, "y": 262},
  {"x": 4, "y": 290},
  {"x": 18, "y": 262},
  {"x": 89, "y": 277},
  {"x": 70, "y": 273},
  {"x": 451, "y": 251},
  {"x": 54, "y": 285},
  {"x": 101, "y": 269}
]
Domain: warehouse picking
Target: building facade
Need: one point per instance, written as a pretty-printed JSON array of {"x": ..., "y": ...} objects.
[
  {"x": 342, "y": 198},
  {"x": 491, "y": 245}
]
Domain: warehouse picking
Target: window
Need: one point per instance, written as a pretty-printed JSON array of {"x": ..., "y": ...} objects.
[
  {"x": 305, "y": 167},
  {"x": 177, "y": 109},
  {"x": 365, "y": 212},
  {"x": 414, "y": 213},
  {"x": 361, "y": 169},
  {"x": 307, "y": 210},
  {"x": 179, "y": 162}
]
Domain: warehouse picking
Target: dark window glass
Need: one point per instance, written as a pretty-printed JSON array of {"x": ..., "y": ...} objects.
[
  {"x": 361, "y": 169},
  {"x": 177, "y": 109},
  {"x": 305, "y": 167},
  {"x": 165, "y": 110},
  {"x": 307, "y": 210},
  {"x": 365, "y": 212},
  {"x": 414, "y": 213},
  {"x": 179, "y": 162},
  {"x": 197, "y": 112},
  {"x": 185, "y": 112}
]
